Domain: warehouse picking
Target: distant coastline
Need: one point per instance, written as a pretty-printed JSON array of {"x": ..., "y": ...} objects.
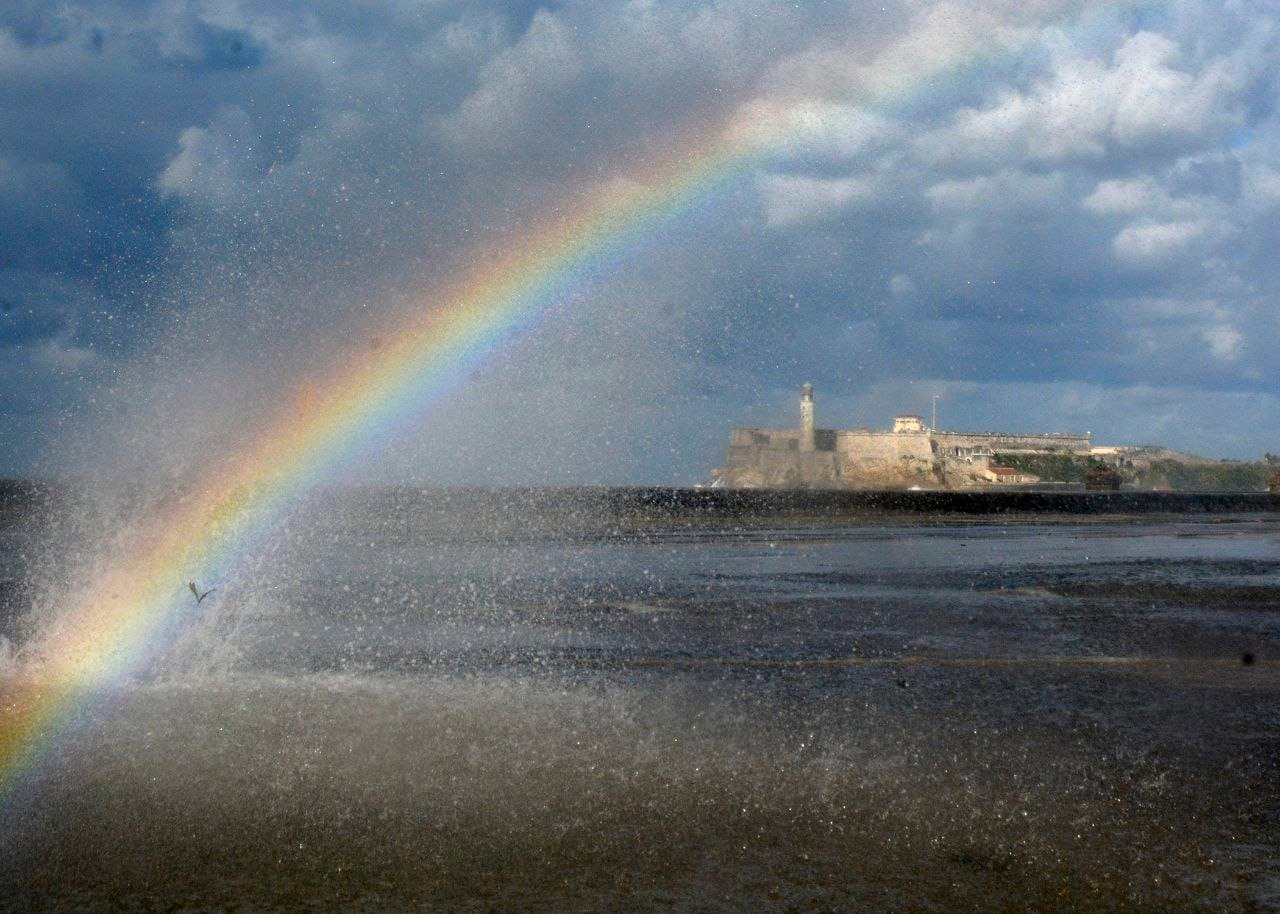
[
  {"x": 917, "y": 454},
  {"x": 461, "y": 514}
]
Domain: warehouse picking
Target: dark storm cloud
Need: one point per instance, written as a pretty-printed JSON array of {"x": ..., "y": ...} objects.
[
  {"x": 20, "y": 325},
  {"x": 208, "y": 47},
  {"x": 222, "y": 197},
  {"x": 34, "y": 22}
]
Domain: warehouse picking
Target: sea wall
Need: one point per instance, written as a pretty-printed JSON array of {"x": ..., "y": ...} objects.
[{"x": 715, "y": 503}]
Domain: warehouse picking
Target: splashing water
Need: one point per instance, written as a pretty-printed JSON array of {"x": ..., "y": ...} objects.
[
  {"x": 132, "y": 604},
  {"x": 371, "y": 712},
  {"x": 420, "y": 712}
]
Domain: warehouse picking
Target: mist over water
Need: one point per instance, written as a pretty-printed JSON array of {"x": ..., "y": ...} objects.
[{"x": 518, "y": 701}]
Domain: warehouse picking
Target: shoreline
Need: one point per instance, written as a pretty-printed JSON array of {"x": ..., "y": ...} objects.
[{"x": 600, "y": 512}]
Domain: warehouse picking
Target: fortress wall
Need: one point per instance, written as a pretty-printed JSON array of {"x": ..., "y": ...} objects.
[
  {"x": 877, "y": 458},
  {"x": 783, "y": 438},
  {"x": 999, "y": 441},
  {"x": 879, "y": 445},
  {"x": 771, "y": 458}
]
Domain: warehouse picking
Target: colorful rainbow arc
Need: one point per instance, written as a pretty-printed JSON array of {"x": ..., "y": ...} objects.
[{"x": 136, "y": 608}]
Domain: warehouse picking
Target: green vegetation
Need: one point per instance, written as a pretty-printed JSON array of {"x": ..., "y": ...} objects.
[
  {"x": 1209, "y": 476},
  {"x": 1223, "y": 476},
  {"x": 1049, "y": 467}
]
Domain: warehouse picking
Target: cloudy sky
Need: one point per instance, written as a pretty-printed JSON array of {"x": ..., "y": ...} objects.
[{"x": 1052, "y": 215}]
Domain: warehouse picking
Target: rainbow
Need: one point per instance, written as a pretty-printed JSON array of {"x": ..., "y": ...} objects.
[{"x": 137, "y": 607}]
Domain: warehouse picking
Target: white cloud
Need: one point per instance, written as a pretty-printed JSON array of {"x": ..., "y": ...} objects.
[
  {"x": 516, "y": 85},
  {"x": 1151, "y": 243},
  {"x": 1085, "y": 106},
  {"x": 470, "y": 40},
  {"x": 894, "y": 46},
  {"x": 212, "y": 163},
  {"x": 1159, "y": 226},
  {"x": 834, "y": 132},
  {"x": 66, "y": 357},
  {"x": 1127, "y": 196},
  {"x": 793, "y": 199},
  {"x": 901, "y": 286},
  {"x": 1261, "y": 187},
  {"x": 1151, "y": 98},
  {"x": 1224, "y": 342},
  {"x": 1006, "y": 190}
]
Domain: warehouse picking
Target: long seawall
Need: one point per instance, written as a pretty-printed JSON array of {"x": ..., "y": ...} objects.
[
  {"x": 489, "y": 514},
  {"x": 729, "y": 502}
]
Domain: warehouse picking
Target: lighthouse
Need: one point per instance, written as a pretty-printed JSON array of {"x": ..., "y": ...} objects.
[{"x": 806, "y": 418}]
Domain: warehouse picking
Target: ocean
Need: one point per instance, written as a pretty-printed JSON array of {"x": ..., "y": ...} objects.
[{"x": 548, "y": 701}]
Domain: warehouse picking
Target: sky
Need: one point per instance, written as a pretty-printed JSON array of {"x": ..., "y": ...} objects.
[{"x": 1071, "y": 223}]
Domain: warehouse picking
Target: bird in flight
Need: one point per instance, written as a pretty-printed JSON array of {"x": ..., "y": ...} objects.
[{"x": 195, "y": 592}]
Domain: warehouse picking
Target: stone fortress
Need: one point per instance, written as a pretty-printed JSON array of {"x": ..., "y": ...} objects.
[{"x": 911, "y": 454}]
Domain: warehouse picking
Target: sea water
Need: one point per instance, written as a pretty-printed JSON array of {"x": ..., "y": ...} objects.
[{"x": 898, "y": 713}]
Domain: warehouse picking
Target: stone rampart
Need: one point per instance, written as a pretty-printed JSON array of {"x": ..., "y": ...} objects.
[
  {"x": 1013, "y": 443},
  {"x": 879, "y": 458},
  {"x": 772, "y": 459},
  {"x": 910, "y": 455}
]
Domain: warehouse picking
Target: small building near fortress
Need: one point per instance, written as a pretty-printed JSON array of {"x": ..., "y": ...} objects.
[
  {"x": 1008, "y": 476},
  {"x": 911, "y": 453}
]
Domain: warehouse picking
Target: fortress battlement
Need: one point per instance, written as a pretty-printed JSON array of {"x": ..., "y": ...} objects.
[{"x": 910, "y": 453}]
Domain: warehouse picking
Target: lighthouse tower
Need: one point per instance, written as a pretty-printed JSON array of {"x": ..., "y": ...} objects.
[{"x": 806, "y": 418}]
